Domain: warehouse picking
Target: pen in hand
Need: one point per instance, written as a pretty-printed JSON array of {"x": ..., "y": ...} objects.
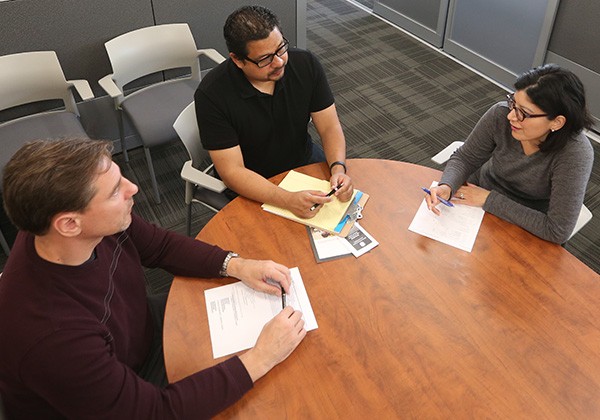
[
  {"x": 444, "y": 201},
  {"x": 329, "y": 194},
  {"x": 282, "y": 298}
]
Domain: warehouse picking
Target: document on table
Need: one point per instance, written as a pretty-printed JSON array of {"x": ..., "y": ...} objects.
[
  {"x": 327, "y": 247},
  {"x": 456, "y": 226},
  {"x": 237, "y": 313},
  {"x": 329, "y": 216}
]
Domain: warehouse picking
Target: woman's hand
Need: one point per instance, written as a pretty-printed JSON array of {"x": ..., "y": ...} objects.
[
  {"x": 471, "y": 195},
  {"x": 432, "y": 200}
]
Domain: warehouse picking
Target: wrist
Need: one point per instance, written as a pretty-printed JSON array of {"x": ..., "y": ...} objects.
[
  {"x": 254, "y": 365},
  {"x": 228, "y": 268},
  {"x": 447, "y": 189},
  {"x": 337, "y": 167},
  {"x": 281, "y": 198}
]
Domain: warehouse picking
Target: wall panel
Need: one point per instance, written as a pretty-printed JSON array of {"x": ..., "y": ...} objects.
[{"x": 77, "y": 31}]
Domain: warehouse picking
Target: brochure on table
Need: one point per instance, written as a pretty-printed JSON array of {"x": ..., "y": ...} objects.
[{"x": 328, "y": 247}]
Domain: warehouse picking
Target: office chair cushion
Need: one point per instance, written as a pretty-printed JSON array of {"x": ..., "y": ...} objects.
[
  {"x": 51, "y": 125},
  {"x": 153, "y": 110},
  {"x": 213, "y": 199}
]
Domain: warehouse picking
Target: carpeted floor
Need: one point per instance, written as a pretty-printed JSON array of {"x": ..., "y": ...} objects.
[{"x": 397, "y": 99}]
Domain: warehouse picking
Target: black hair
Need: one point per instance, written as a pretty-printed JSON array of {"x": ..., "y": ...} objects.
[
  {"x": 248, "y": 23},
  {"x": 557, "y": 91}
]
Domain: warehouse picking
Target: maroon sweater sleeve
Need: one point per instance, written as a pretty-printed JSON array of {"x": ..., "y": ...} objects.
[
  {"x": 84, "y": 380},
  {"x": 177, "y": 254}
]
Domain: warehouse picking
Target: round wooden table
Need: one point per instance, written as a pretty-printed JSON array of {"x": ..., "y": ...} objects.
[{"x": 414, "y": 328}]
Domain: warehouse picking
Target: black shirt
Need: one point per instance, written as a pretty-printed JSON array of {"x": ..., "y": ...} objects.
[{"x": 271, "y": 130}]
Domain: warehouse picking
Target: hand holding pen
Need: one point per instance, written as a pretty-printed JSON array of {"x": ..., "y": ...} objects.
[
  {"x": 433, "y": 196},
  {"x": 444, "y": 201},
  {"x": 329, "y": 194}
]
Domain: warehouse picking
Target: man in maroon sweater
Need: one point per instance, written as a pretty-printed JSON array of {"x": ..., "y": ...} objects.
[{"x": 75, "y": 326}]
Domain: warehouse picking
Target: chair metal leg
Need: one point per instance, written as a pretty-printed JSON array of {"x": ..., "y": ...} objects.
[
  {"x": 4, "y": 244},
  {"x": 189, "y": 219},
  {"x": 189, "y": 197},
  {"x": 122, "y": 135},
  {"x": 152, "y": 175}
]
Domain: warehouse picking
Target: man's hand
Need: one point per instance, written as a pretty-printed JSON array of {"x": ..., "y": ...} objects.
[
  {"x": 301, "y": 202},
  {"x": 256, "y": 274},
  {"x": 345, "y": 193},
  {"x": 277, "y": 340}
]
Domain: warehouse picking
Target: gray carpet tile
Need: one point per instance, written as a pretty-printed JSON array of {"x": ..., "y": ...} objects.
[{"x": 397, "y": 99}]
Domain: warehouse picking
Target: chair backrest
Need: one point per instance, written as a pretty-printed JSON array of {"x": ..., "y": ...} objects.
[
  {"x": 152, "y": 49},
  {"x": 186, "y": 127},
  {"x": 585, "y": 215},
  {"x": 31, "y": 77},
  {"x": 445, "y": 154}
]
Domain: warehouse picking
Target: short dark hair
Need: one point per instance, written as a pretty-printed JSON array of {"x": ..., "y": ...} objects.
[
  {"x": 48, "y": 177},
  {"x": 248, "y": 23},
  {"x": 557, "y": 91}
]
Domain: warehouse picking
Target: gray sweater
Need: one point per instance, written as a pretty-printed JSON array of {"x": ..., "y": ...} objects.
[{"x": 543, "y": 193}]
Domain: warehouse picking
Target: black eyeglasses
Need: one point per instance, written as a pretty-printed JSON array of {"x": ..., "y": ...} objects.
[
  {"x": 521, "y": 115},
  {"x": 268, "y": 59}
]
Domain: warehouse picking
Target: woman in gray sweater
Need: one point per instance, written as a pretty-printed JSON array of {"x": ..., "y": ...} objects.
[{"x": 527, "y": 160}]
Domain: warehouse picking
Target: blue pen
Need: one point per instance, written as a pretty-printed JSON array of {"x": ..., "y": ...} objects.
[{"x": 446, "y": 202}]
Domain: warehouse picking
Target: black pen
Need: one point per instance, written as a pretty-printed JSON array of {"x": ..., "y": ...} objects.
[
  {"x": 282, "y": 298},
  {"x": 329, "y": 194}
]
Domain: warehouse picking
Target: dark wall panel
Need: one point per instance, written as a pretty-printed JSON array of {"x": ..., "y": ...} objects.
[
  {"x": 576, "y": 35},
  {"x": 206, "y": 23},
  {"x": 76, "y": 30}
]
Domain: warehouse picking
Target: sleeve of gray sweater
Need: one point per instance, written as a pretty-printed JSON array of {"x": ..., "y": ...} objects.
[{"x": 519, "y": 183}]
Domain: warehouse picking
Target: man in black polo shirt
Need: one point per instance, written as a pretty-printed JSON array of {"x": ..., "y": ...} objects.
[{"x": 254, "y": 108}]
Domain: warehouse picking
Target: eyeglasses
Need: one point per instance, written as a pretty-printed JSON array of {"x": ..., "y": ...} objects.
[
  {"x": 521, "y": 115},
  {"x": 268, "y": 59}
]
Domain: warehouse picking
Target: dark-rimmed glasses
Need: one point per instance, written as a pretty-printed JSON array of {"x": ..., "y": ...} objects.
[
  {"x": 268, "y": 59},
  {"x": 520, "y": 114}
]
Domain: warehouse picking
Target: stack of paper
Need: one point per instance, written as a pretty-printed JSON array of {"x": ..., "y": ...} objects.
[{"x": 329, "y": 216}]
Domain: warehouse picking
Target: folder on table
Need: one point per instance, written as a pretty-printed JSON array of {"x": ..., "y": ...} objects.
[{"x": 335, "y": 217}]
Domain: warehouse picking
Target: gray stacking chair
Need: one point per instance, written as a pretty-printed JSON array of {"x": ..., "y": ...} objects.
[
  {"x": 200, "y": 186},
  {"x": 27, "y": 78},
  {"x": 441, "y": 157},
  {"x": 585, "y": 215},
  {"x": 153, "y": 109}
]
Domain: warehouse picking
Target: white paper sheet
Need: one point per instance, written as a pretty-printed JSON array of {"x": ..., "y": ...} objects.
[
  {"x": 237, "y": 313},
  {"x": 456, "y": 226}
]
